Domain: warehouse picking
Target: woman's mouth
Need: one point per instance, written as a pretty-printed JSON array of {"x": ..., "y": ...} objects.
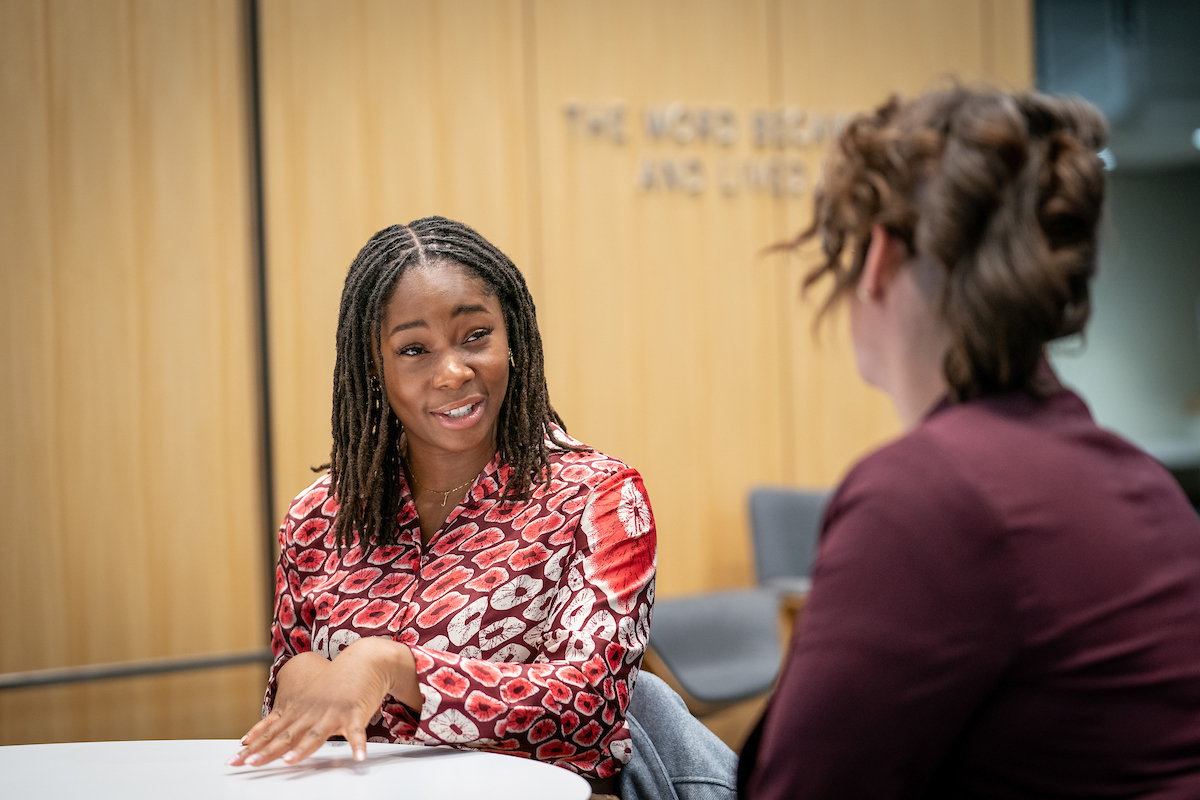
[
  {"x": 463, "y": 416},
  {"x": 461, "y": 411}
]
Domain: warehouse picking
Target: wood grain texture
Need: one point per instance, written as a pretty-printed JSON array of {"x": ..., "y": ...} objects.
[
  {"x": 671, "y": 342},
  {"x": 210, "y": 704},
  {"x": 127, "y": 414},
  {"x": 660, "y": 320}
]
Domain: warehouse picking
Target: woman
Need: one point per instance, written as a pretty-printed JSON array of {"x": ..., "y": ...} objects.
[
  {"x": 466, "y": 573},
  {"x": 1006, "y": 601}
]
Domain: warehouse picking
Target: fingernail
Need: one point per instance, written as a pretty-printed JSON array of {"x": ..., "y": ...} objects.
[
  {"x": 254, "y": 759},
  {"x": 244, "y": 738},
  {"x": 290, "y": 756},
  {"x": 360, "y": 755},
  {"x": 232, "y": 762}
]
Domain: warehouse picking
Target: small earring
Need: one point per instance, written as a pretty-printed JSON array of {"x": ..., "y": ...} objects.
[{"x": 511, "y": 363}]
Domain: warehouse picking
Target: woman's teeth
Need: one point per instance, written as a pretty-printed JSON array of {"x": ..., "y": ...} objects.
[{"x": 460, "y": 412}]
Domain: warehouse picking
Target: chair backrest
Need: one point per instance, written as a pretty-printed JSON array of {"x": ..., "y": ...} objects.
[
  {"x": 720, "y": 647},
  {"x": 785, "y": 524}
]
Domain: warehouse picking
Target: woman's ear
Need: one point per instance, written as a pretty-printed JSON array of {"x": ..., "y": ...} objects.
[{"x": 885, "y": 254}]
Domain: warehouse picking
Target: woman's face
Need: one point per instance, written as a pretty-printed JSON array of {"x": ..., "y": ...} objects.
[{"x": 445, "y": 360}]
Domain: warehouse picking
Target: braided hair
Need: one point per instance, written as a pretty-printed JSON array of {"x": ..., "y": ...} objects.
[
  {"x": 1002, "y": 192},
  {"x": 365, "y": 464}
]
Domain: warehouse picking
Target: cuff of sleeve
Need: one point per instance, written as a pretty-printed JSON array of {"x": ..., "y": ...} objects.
[
  {"x": 273, "y": 684},
  {"x": 401, "y": 720}
]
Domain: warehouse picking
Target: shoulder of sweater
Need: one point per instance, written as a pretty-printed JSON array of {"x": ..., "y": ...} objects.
[
  {"x": 920, "y": 475},
  {"x": 905, "y": 465}
]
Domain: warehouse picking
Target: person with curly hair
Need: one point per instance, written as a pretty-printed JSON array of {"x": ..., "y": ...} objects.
[
  {"x": 1006, "y": 600},
  {"x": 466, "y": 573}
]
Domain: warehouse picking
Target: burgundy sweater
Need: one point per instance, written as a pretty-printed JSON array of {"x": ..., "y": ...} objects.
[{"x": 1006, "y": 604}]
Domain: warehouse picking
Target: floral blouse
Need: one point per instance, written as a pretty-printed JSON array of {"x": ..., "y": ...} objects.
[{"x": 527, "y": 620}]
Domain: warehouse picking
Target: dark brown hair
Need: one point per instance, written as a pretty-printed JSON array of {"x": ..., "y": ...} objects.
[
  {"x": 365, "y": 462},
  {"x": 1003, "y": 192}
]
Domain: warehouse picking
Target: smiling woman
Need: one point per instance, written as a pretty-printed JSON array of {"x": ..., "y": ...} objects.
[
  {"x": 446, "y": 372},
  {"x": 466, "y": 574}
]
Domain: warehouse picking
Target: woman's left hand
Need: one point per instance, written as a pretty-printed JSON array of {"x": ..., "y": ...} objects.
[{"x": 329, "y": 698}]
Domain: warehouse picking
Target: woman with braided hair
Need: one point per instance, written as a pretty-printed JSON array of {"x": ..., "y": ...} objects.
[
  {"x": 1006, "y": 601},
  {"x": 466, "y": 573}
]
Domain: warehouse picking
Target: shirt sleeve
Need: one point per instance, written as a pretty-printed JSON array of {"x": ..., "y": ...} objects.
[
  {"x": 291, "y": 631},
  {"x": 566, "y": 705},
  {"x": 907, "y": 628}
]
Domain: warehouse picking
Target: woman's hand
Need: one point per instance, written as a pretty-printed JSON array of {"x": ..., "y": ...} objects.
[{"x": 318, "y": 699}]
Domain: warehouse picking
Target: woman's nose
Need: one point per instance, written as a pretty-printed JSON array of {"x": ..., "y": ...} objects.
[{"x": 452, "y": 372}]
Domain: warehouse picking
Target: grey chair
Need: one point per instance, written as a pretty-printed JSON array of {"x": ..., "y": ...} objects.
[
  {"x": 721, "y": 648},
  {"x": 784, "y": 524},
  {"x": 717, "y": 648}
]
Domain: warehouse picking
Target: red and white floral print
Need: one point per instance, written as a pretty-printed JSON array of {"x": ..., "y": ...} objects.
[
  {"x": 527, "y": 620},
  {"x": 618, "y": 563}
]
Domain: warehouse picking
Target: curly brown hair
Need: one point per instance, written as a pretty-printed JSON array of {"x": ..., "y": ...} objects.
[{"x": 1002, "y": 191}]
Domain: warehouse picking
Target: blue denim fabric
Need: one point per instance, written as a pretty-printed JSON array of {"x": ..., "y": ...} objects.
[{"x": 674, "y": 756}]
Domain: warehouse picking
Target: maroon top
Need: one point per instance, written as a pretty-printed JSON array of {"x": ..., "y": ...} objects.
[{"x": 1006, "y": 604}]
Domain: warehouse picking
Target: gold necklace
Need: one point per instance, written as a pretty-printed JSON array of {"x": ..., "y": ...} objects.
[{"x": 446, "y": 494}]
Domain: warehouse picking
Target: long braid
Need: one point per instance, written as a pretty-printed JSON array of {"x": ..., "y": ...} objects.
[{"x": 365, "y": 461}]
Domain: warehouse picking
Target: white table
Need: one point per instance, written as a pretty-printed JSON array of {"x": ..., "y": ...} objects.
[{"x": 195, "y": 768}]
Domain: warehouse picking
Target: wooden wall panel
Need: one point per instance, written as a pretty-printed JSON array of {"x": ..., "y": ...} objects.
[
  {"x": 127, "y": 412},
  {"x": 670, "y": 343},
  {"x": 209, "y": 704},
  {"x": 659, "y": 320},
  {"x": 375, "y": 112}
]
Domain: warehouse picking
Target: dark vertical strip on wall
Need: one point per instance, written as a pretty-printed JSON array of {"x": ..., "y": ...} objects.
[{"x": 258, "y": 210}]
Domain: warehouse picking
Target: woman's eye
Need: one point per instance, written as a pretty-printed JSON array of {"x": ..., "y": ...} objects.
[
  {"x": 479, "y": 334},
  {"x": 411, "y": 350}
]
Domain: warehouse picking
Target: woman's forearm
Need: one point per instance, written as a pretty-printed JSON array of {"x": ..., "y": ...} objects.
[
  {"x": 405, "y": 686},
  {"x": 395, "y": 662},
  {"x": 299, "y": 671},
  {"x": 392, "y": 660}
]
